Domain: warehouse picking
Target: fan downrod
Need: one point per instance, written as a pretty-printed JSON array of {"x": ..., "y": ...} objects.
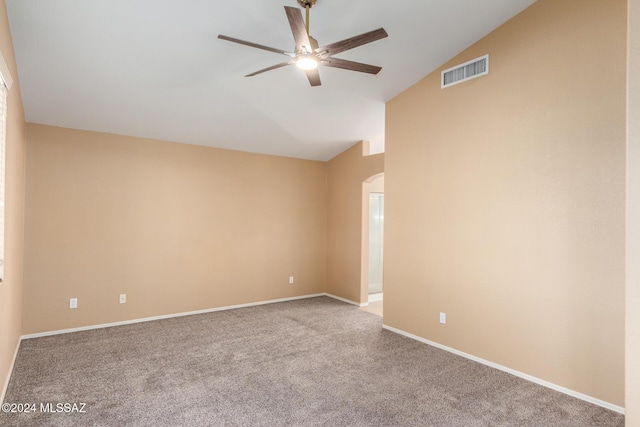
[{"x": 307, "y": 3}]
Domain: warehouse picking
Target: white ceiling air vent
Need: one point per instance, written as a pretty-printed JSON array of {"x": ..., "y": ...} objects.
[{"x": 467, "y": 71}]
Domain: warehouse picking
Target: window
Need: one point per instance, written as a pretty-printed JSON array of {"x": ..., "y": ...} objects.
[{"x": 5, "y": 85}]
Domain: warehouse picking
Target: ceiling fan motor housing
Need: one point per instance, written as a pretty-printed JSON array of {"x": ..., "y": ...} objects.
[{"x": 307, "y": 3}]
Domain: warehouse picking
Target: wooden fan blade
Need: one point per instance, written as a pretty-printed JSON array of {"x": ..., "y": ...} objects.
[
  {"x": 350, "y": 43},
  {"x": 273, "y": 67},
  {"x": 259, "y": 46},
  {"x": 294, "y": 15},
  {"x": 313, "y": 76},
  {"x": 351, "y": 65}
]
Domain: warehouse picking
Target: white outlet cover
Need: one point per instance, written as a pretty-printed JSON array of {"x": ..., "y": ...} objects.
[
  {"x": 443, "y": 318},
  {"x": 123, "y": 298},
  {"x": 291, "y": 280},
  {"x": 73, "y": 303}
]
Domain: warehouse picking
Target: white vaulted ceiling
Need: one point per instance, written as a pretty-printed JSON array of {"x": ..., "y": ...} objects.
[{"x": 155, "y": 68}]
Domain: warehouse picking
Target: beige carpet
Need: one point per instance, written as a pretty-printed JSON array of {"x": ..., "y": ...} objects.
[{"x": 314, "y": 362}]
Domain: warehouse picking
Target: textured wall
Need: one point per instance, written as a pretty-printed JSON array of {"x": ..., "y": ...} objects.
[
  {"x": 11, "y": 289},
  {"x": 632, "y": 399},
  {"x": 505, "y": 200},
  {"x": 176, "y": 227}
]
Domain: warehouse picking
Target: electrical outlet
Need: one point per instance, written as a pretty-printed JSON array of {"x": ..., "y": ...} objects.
[
  {"x": 443, "y": 318},
  {"x": 291, "y": 280},
  {"x": 73, "y": 303},
  {"x": 123, "y": 298}
]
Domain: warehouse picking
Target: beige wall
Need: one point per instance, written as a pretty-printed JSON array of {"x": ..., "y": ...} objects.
[
  {"x": 505, "y": 200},
  {"x": 176, "y": 227},
  {"x": 377, "y": 185},
  {"x": 346, "y": 175},
  {"x": 632, "y": 385},
  {"x": 11, "y": 289}
]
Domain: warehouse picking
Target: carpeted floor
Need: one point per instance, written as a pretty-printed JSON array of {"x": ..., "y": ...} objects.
[{"x": 313, "y": 362}]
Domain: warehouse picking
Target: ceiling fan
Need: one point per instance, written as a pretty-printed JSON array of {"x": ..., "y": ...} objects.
[{"x": 307, "y": 55}]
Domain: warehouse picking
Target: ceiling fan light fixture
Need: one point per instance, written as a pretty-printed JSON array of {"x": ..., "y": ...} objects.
[
  {"x": 307, "y": 62},
  {"x": 308, "y": 55}
]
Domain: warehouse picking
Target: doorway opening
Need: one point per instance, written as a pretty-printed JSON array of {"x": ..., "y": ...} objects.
[
  {"x": 372, "y": 283},
  {"x": 376, "y": 241}
]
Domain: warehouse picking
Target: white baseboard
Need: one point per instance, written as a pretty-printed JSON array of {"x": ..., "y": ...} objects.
[
  {"x": 348, "y": 301},
  {"x": 6, "y": 382},
  {"x": 166, "y": 316},
  {"x": 527, "y": 377}
]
